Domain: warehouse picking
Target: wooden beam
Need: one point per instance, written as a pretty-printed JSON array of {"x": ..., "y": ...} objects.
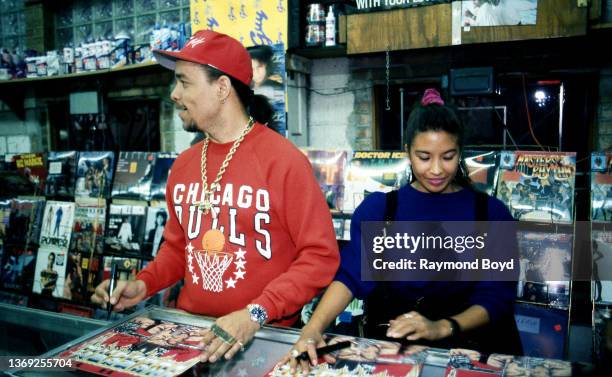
[{"x": 401, "y": 29}]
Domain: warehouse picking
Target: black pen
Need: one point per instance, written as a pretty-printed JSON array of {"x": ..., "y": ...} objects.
[
  {"x": 111, "y": 288},
  {"x": 325, "y": 350}
]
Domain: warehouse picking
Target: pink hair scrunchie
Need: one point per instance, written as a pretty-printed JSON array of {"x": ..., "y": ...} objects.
[{"x": 432, "y": 96}]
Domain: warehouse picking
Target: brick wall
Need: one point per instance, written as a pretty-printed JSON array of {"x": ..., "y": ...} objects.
[{"x": 339, "y": 108}]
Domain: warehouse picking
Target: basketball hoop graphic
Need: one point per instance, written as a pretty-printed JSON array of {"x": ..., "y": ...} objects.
[
  {"x": 212, "y": 266},
  {"x": 212, "y": 259}
]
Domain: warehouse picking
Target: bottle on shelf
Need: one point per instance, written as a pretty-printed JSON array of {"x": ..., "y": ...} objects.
[{"x": 330, "y": 27}]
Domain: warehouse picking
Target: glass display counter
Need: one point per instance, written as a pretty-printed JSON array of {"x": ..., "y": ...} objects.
[
  {"x": 155, "y": 338},
  {"x": 29, "y": 332}
]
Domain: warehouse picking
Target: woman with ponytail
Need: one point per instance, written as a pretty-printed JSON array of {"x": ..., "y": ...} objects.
[{"x": 442, "y": 313}]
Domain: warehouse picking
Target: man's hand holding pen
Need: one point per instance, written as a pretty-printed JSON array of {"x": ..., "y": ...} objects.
[{"x": 125, "y": 294}]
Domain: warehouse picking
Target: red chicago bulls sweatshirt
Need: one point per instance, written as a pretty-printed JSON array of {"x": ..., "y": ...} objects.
[{"x": 280, "y": 247}]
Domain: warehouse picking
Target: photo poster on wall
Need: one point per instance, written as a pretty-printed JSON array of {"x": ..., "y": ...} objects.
[
  {"x": 18, "y": 264},
  {"x": 545, "y": 267},
  {"x": 50, "y": 272},
  {"x": 328, "y": 167},
  {"x": 498, "y": 12},
  {"x": 252, "y": 22},
  {"x": 261, "y": 26},
  {"x": 601, "y": 186},
  {"x": 601, "y": 286},
  {"x": 269, "y": 80},
  {"x": 125, "y": 231},
  {"x": 56, "y": 230}
]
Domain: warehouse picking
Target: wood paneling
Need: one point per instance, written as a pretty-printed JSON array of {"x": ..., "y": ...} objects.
[
  {"x": 401, "y": 29},
  {"x": 431, "y": 26},
  {"x": 556, "y": 18}
]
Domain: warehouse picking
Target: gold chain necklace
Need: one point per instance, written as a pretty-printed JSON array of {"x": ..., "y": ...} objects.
[{"x": 205, "y": 204}]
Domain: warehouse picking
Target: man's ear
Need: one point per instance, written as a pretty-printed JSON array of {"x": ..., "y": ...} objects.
[{"x": 224, "y": 87}]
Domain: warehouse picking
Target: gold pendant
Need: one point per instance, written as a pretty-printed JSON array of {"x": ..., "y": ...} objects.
[{"x": 205, "y": 205}]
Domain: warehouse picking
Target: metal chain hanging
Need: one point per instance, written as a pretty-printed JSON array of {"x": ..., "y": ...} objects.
[{"x": 387, "y": 64}]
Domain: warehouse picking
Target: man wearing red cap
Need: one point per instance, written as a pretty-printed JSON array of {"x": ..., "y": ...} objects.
[{"x": 251, "y": 184}]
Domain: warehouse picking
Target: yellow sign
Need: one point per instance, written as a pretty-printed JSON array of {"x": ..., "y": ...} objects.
[{"x": 252, "y": 22}]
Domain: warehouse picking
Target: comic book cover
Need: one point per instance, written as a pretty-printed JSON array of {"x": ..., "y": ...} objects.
[
  {"x": 50, "y": 272},
  {"x": 133, "y": 175},
  {"x": 32, "y": 166},
  {"x": 467, "y": 363},
  {"x": 83, "y": 274},
  {"x": 370, "y": 171},
  {"x": 61, "y": 175},
  {"x": 601, "y": 318},
  {"x": 89, "y": 223},
  {"x": 482, "y": 169},
  {"x": 538, "y": 186},
  {"x": 161, "y": 170},
  {"x": 127, "y": 267},
  {"x": 17, "y": 267},
  {"x": 338, "y": 227},
  {"x": 26, "y": 220},
  {"x": 57, "y": 225},
  {"x": 126, "y": 224},
  {"x": 602, "y": 267},
  {"x": 139, "y": 347},
  {"x": 530, "y": 366},
  {"x": 13, "y": 184},
  {"x": 328, "y": 167},
  {"x": 545, "y": 267},
  {"x": 154, "y": 230},
  {"x": 94, "y": 174},
  {"x": 363, "y": 357},
  {"x": 5, "y": 216},
  {"x": 601, "y": 186}
]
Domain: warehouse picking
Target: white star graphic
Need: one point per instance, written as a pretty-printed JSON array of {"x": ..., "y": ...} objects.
[
  {"x": 242, "y": 372},
  {"x": 239, "y": 274},
  {"x": 195, "y": 278},
  {"x": 240, "y": 264},
  {"x": 190, "y": 248},
  {"x": 231, "y": 283},
  {"x": 190, "y": 259},
  {"x": 240, "y": 253}
]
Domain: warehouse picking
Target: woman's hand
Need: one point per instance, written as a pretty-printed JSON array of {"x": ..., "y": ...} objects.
[
  {"x": 414, "y": 326},
  {"x": 309, "y": 340}
]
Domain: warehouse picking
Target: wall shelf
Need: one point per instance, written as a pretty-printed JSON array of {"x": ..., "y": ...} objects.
[
  {"x": 99, "y": 73},
  {"x": 320, "y": 52}
]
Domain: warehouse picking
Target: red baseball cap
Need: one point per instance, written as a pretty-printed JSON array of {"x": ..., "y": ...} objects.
[{"x": 217, "y": 50}]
